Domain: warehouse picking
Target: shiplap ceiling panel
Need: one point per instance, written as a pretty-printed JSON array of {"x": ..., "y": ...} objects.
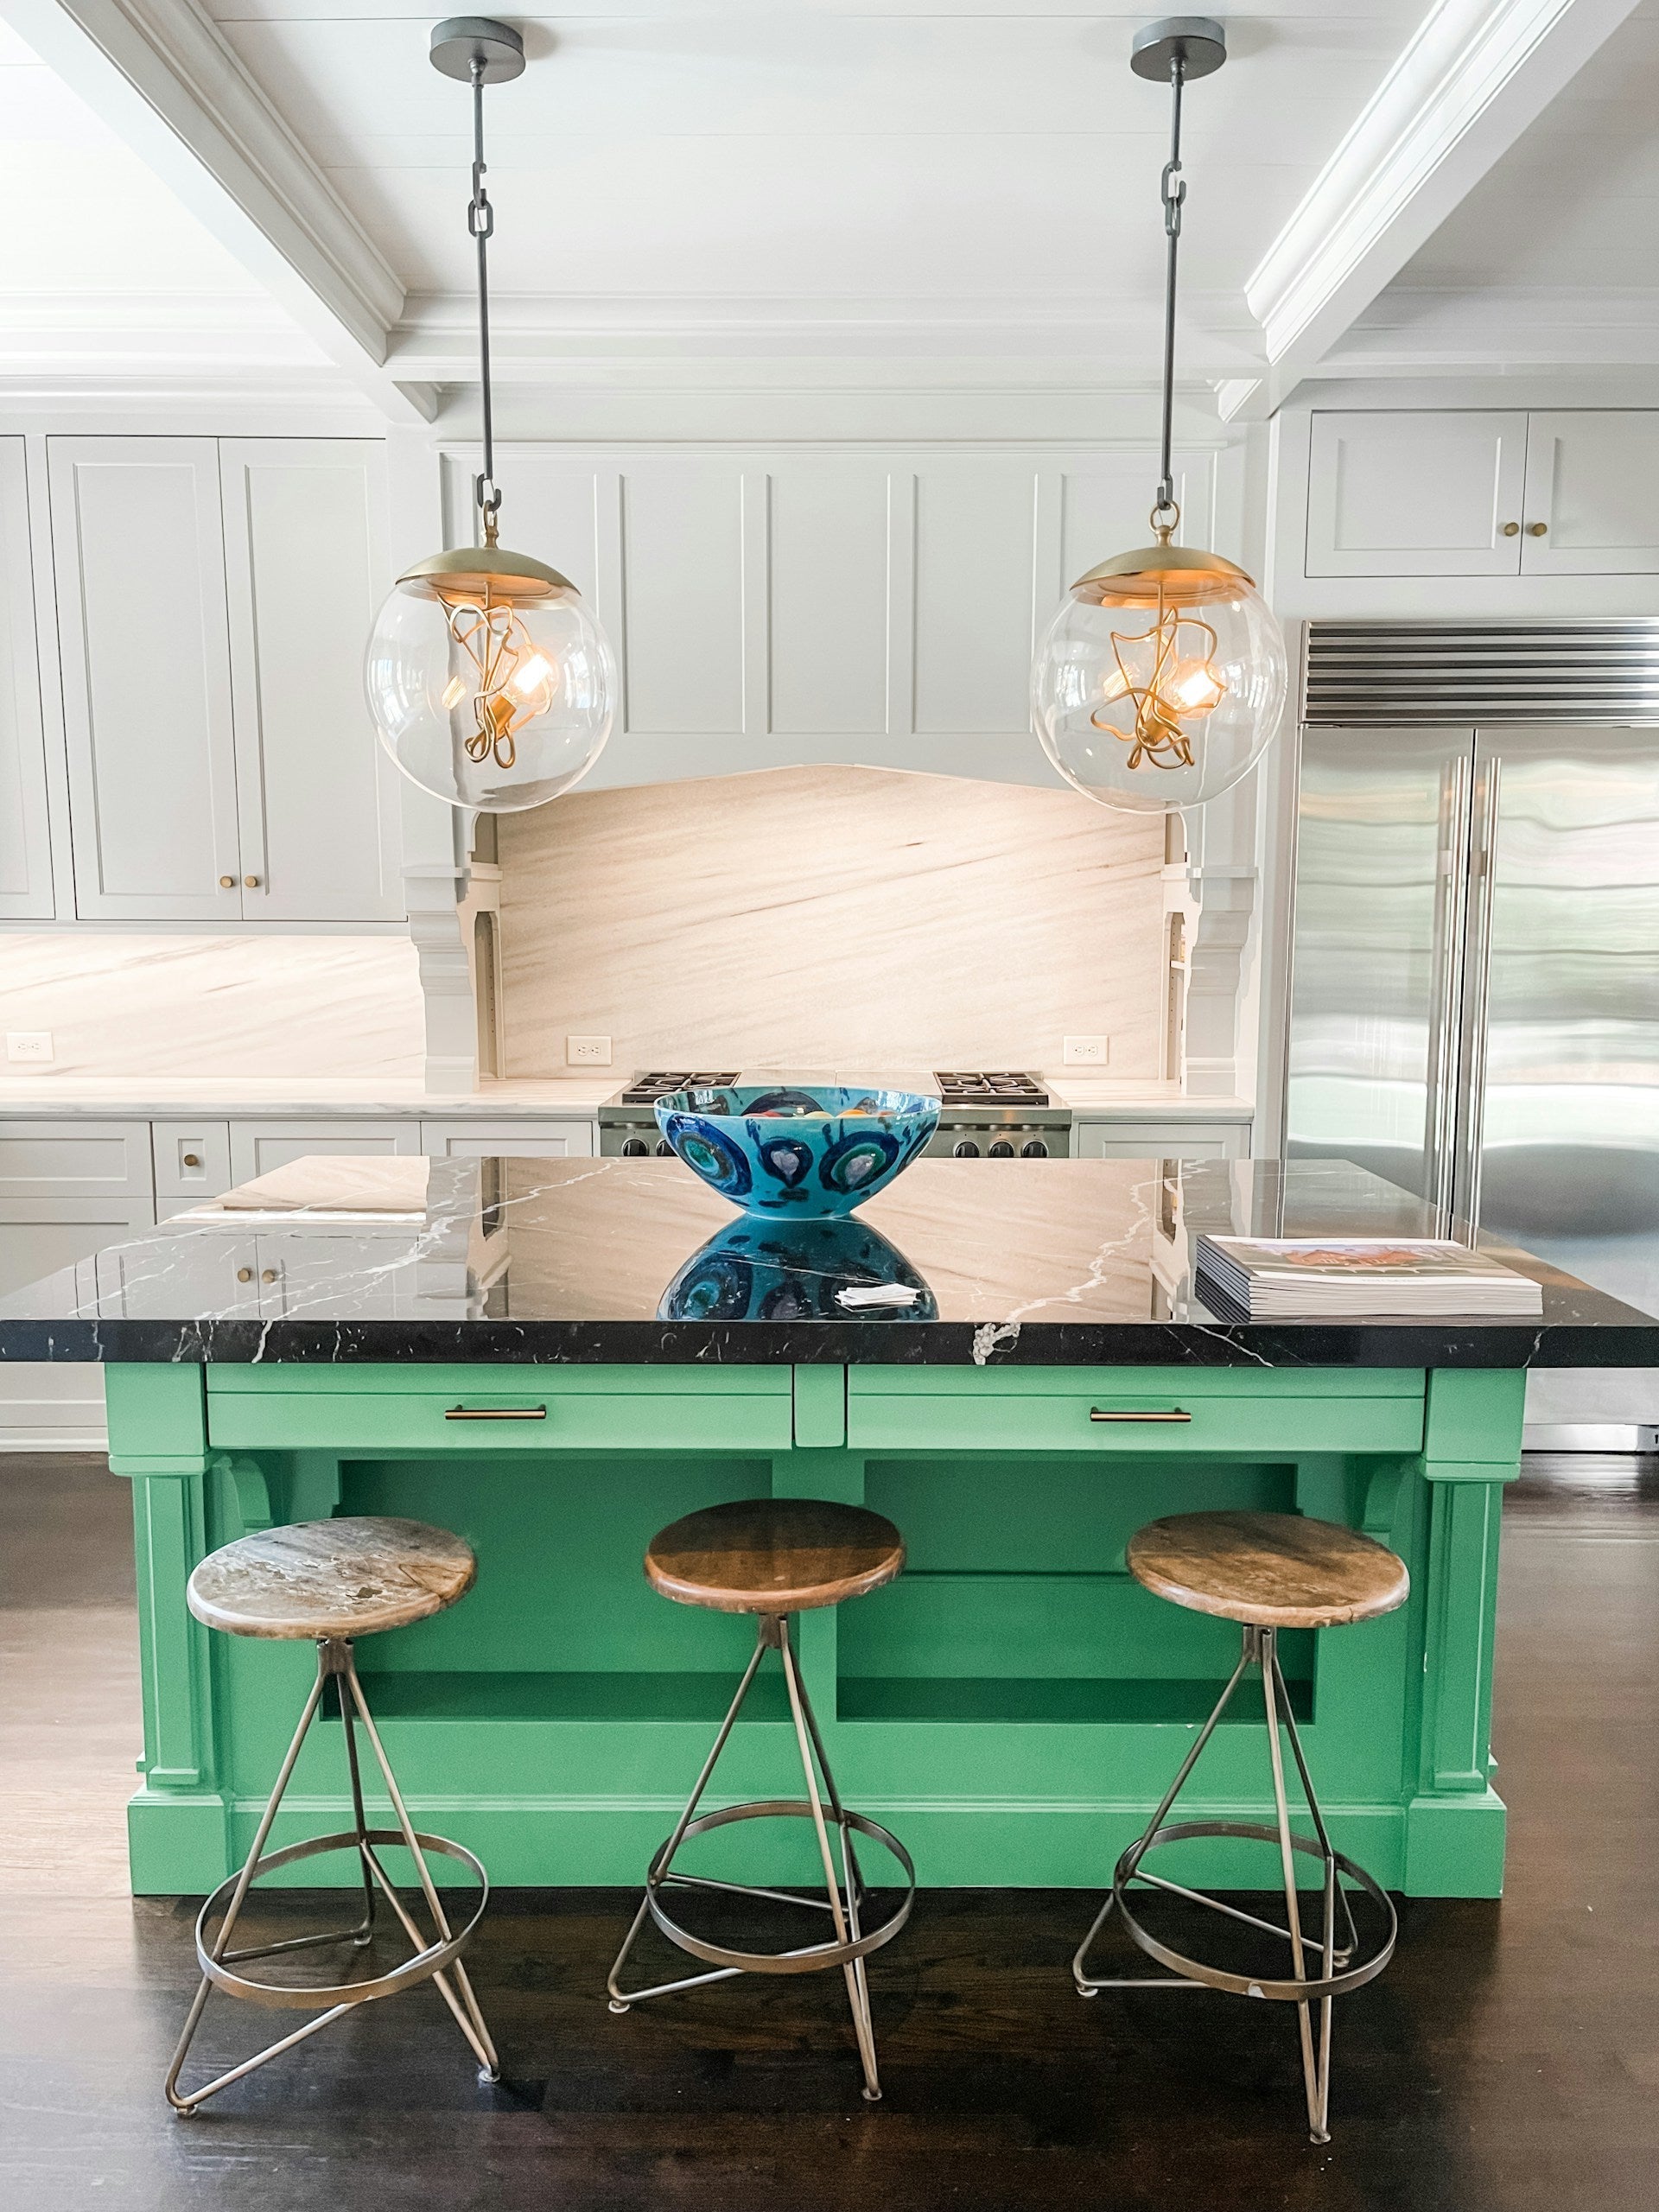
[
  {"x": 975, "y": 156},
  {"x": 1555, "y": 254},
  {"x": 97, "y": 221}
]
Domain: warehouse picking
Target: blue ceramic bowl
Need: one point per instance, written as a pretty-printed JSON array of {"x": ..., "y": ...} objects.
[
  {"x": 795, "y": 1270},
  {"x": 812, "y": 1152}
]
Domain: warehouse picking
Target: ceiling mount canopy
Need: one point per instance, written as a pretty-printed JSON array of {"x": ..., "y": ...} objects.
[
  {"x": 489, "y": 682},
  {"x": 1162, "y": 677}
]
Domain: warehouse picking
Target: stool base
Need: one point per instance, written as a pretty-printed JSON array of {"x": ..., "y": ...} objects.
[
  {"x": 437, "y": 1960},
  {"x": 844, "y": 1894},
  {"x": 1336, "y": 1971}
]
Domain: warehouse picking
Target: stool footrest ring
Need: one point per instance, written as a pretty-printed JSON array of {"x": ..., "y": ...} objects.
[
  {"x": 811, "y": 1958},
  {"x": 1293, "y": 1991},
  {"x": 431, "y": 1961}
]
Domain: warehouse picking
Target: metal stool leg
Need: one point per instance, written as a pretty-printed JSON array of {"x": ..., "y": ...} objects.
[
  {"x": 335, "y": 1660},
  {"x": 1089, "y": 1986},
  {"x": 1339, "y": 1967},
  {"x": 845, "y": 1918},
  {"x": 843, "y": 1895},
  {"x": 621, "y": 1999},
  {"x": 1315, "y": 2079}
]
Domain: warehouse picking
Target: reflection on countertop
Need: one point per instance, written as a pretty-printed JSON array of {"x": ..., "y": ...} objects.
[{"x": 508, "y": 1259}]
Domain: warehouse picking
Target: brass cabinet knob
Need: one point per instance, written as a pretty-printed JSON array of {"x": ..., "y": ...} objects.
[
  {"x": 227, "y": 883},
  {"x": 270, "y": 1275},
  {"x": 1537, "y": 530},
  {"x": 245, "y": 1275},
  {"x": 251, "y": 881},
  {"x": 192, "y": 1160},
  {"x": 1511, "y": 530}
]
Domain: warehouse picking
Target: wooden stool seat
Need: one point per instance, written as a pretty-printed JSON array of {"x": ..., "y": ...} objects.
[
  {"x": 1267, "y": 1570},
  {"x": 774, "y": 1555},
  {"x": 331, "y": 1579}
]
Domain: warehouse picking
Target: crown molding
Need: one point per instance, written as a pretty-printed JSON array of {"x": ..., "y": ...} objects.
[
  {"x": 1495, "y": 329},
  {"x": 736, "y": 343},
  {"x": 163, "y": 77},
  {"x": 1475, "y": 74}
]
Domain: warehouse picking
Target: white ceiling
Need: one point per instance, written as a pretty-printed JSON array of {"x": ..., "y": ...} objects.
[
  {"x": 1554, "y": 256},
  {"x": 98, "y": 254},
  {"x": 960, "y": 182},
  {"x": 979, "y": 159}
]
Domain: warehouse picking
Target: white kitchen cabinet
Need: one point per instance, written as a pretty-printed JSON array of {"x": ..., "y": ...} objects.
[
  {"x": 139, "y": 568},
  {"x": 213, "y": 603},
  {"x": 566, "y": 1140},
  {"x": 192, "y": 1160},
  {"x": 1161, "y": 1140},
  {"x": 258, "y": 1147},
  {"x": 68, "y": 1189},
  {"x": 1416, "y": 493},
  {"x": 306, "y": 567},
  {"x": 26, "y": 886},
  {"x": 1592, "y": 506}
]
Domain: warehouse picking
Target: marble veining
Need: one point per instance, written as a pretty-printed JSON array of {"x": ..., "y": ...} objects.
[
  {"x": 515, "y": 1261},
  {"x": 141, "y": 1008},
  {"x": 828, "y": 915}
]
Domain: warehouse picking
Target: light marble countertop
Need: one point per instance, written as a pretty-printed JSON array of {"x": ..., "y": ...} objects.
[{"x": 46, "y": 1097}]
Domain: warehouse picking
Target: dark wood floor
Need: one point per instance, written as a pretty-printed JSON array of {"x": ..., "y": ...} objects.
[{"x": 1509, "y": 2060}]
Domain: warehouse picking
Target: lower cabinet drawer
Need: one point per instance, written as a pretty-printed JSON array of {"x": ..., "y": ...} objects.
[
  {"x": 1118, "y": 1419},
  {"x": 498, "y": 1417}
]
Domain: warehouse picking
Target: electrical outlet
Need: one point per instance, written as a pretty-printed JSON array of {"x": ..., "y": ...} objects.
[
  {"x": 1084, "y": 1051},
  {"x": 28, "y": 1045},
  {"x": 587, "y": 1052}
]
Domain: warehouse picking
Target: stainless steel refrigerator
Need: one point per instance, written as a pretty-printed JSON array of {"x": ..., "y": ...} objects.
[{"x": 1475, "y": 962}]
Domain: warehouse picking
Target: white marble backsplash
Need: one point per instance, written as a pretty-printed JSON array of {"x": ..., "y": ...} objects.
[
  {"x": 132, "y": 1005},
  {"x": 813, "y": 915}
]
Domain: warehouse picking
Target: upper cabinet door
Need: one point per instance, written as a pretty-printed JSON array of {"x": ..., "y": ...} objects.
[
  {"x": 139, "y": 565},
  {"x": 305, "y": 565},
  {"x": 25, "y": 848},
  {"x": 1412, "y": 493},
  {"x": 1593, "y": 493}
]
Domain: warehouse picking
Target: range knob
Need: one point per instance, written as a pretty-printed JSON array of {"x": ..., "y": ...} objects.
[
  {"x": 664, "y": 1150},
  {"x": 635, "y": 1149},
  {"x": 1002, "y": 1149},
  {"x": 1033, "y": 1149},
  {"x": 966, "y": 1150}
]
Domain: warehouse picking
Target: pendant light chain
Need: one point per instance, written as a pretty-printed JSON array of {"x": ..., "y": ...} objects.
[
  {"x": 480, "y": 223},
  {"x": 1174, "y": 190}
]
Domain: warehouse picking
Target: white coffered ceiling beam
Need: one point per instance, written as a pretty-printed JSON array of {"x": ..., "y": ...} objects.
[
  {"x": 160, "y": 73},
  {"x": 1474, "y": 76}
]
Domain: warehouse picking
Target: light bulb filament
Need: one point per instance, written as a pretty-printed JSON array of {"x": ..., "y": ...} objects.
[
  {"x": 1168, "y": 675},
  {"x": 510, "y": 682}
]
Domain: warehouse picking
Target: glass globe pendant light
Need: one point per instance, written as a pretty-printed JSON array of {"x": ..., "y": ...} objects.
[
  {"x": 489, "y": 682},
  {"x": 1162, "y": 678}
]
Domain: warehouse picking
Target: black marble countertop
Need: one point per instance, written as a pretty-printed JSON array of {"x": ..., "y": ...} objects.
[{"x": 1084, "y": 1262}]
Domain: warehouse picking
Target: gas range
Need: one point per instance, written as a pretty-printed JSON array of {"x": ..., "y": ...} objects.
[{"x": 983, "y": 1114}]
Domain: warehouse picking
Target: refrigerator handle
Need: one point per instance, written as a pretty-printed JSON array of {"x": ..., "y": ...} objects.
[
  {"x": 1471, "y": 1104},
  {"x": 1451, "y": 913}
]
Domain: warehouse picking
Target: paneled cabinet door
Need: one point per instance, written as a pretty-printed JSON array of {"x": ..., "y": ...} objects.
[
  {"x": 305, "y": 561},
  {"x": 1416, "y": 493},
  {"x": 139, "y": 568},
  {"x": 1592, "y": 493},
  {"x": 26, "y": 890}
]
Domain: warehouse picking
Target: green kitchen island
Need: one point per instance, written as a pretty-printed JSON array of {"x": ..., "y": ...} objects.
[{"x": 554, "y": 1358}]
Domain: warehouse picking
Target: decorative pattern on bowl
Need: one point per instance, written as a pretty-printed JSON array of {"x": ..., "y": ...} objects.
[
  {"x": 756, "y": 1270},
  {"x": 812, "y": 1152}
]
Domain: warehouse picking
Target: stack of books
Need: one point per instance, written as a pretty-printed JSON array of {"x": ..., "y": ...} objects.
[{"x": 1330, "y": 1278}]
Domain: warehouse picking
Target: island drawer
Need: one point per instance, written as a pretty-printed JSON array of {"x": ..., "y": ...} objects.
[
  {"x": 1135, "y": 1411},
  {"x": 489, "y": 1409}
]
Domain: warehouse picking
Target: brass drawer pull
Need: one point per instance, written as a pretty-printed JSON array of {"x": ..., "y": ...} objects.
[
  {"x": 1111, "y": 1413},
  {"x": 496, "y": 1412}
]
